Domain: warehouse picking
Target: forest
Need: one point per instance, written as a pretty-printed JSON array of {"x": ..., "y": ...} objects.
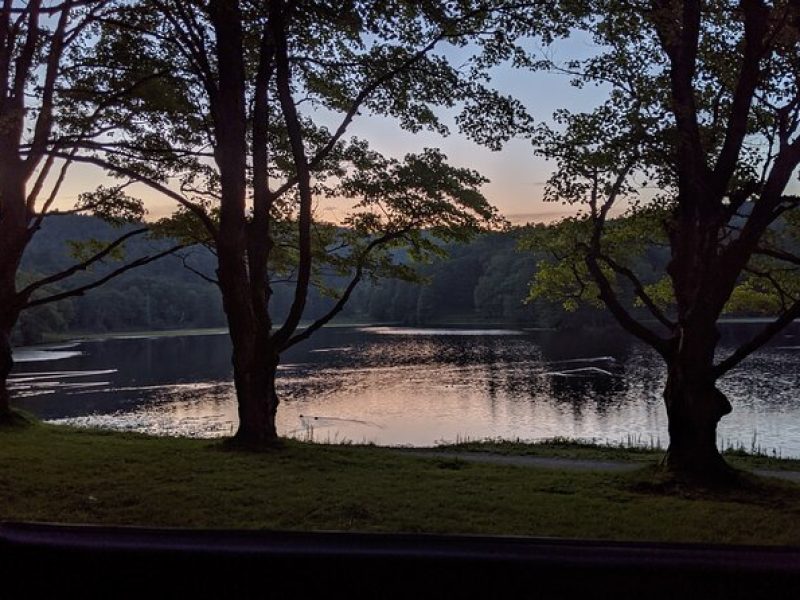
[{"x": 483, "y": 281}]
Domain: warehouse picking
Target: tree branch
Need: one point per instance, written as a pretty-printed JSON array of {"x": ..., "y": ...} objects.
[
  {"x": 197, "y": 272},
  {"x": 755, "y": 28},
  {"x": 259, "y": 231},
  {"x": 623, "y": 317},
  {"x": 194, "y": 208},
  {"x": 343, "y": 299},
  {"x": 82, "y": 266},
  {"x": 44, "y": 120},
  {"x": 302, "y": 170},
  {"x": 761, "y": 338},
  {"x": 79, "y": 291},
  {"x": 681, "y": 43},
  {"x": 779, "y": 255},
  {"x": 640, "y": 291},
  {"x": 607, "y": 294},
  {"x": 363, "y": 95}
]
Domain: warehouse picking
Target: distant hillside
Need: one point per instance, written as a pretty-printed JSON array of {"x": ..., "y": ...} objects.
[
  {"x": 482, "y": 281},
  {"x": 161, "y": 295}
]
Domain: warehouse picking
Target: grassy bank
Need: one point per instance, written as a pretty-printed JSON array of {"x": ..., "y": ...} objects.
[
  {"x": 59, "y": 474},
  {"x": 631, "y": 450}
]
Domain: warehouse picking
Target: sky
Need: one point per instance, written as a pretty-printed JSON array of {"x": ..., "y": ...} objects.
[{"x": 517, "y": 177}]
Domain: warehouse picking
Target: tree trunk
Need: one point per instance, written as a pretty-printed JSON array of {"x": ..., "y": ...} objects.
[
  {"x": 694, "y": 408},
  {"x": 255, "y": 361},
  {"x": 258, "y": 404},
  {"x": 255, "y": 365},
  {"x": 6, "y": 364},
  {"x": 14, "y": 238},
  {"x": 9, "y": 312}
]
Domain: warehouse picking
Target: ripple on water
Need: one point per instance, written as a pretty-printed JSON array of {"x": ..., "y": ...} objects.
[
  {"x": 440, "y": 331},
  {"x": 26, "y": 355},
  {"x": 417, "y": 385}
]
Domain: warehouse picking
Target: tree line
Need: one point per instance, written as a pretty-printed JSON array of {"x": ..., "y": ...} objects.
[
  {"x": 483, "y": 281},
  {"x": 490, "y": 279}
]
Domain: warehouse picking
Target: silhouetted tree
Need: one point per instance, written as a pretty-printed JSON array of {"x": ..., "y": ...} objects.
[
  {"x": 36, "y": 38},
  {"x": 224, "y": 118},
  {"x": 705, "y": 106}
]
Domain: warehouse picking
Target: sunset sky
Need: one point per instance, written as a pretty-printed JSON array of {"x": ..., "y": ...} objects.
[{"x": 517, "y": 177}]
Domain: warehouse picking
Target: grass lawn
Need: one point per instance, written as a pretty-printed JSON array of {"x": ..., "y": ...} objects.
[
  {"x": 58, "y": 474},
  {"x": 623, "y": 452}
]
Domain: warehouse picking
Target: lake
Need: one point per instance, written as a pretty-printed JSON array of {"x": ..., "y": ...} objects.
[{"x": 406, "y": 386}]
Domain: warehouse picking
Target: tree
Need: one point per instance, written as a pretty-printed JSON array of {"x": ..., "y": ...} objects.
[
  {"x": 36, "y": 38},
  {"x": 704, "y": 105},
  {"x": 230, "y": 127}
]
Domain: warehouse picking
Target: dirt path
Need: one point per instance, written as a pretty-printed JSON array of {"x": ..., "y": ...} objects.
[
  {"x": 787, "y": 475},
  {"x": 546, "y": 462},
  {"x": 565, "y": 464}
]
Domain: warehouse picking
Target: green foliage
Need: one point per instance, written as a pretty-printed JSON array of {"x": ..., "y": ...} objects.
[
  {"x": 418, "y": 205},
  {"x": 752, "y": 296},
  {"x": 660, "y": 292},
  {"x": 619, "y": 162},
  {"x": 112, "y": 205},
  {"x": 563, "y": 282},
  {"x": 767, "y": 287},
  {"x": 393, "y": 62},
  {"x": 183, "y": 225},
  {"x": 83, "y": 250},
  {"x": 563, "y": 276}
]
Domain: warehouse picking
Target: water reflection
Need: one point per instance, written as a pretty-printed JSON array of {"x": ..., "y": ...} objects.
[{"x": 398, "y": 386}]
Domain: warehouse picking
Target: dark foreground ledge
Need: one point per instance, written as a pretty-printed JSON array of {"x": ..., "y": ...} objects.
[{"x": 136, "y": 562}]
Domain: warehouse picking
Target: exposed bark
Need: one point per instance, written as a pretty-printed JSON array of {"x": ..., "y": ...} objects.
[
  {"x": 243, "y": 247},
  {"x": 693, "y": 402},
  {"x": 302, "y": 170},
  {"x": 703, "y": 272},
  {"x": 244, "y": 334},
  {"x": 699, "y": 271},
  {"x": 259, "y": 232}
]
